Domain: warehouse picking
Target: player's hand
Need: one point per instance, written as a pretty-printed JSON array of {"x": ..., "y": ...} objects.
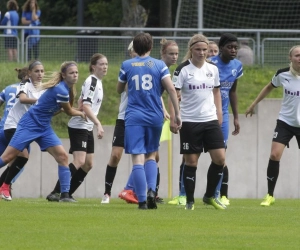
[
  {"x": 250, "y": 111},
  {"x": 100, "y": 132}
]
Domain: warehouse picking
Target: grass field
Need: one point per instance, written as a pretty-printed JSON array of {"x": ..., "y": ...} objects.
[{"x": 38, "y": 224}]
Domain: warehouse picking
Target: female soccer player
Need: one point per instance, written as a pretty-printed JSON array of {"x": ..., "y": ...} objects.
[
  {"x": 213, "y": 49},
  {"x": 230, "y": 70},
  {"x": 197, "y": 82},
  {"x": 27, "y": 95},
  {"x": 288, "y": 123},
  {"x": 145, "y": 78},
  {"x": 81, "y": 130},
  {"x": 35, "y": 125}
]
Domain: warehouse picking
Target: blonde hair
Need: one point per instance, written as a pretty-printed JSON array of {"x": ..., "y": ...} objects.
[
  {"x": 57, "y": 77},
  {"x": 165, "y": 44},
  {"x": 292, "y": 70},
  {"x": 195, "y": 39}
]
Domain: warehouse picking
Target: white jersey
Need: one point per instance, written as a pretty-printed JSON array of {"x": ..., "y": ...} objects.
[
  {"x": 196, "y": 85},
  {"x": 290, "y": 107},
  {"x": 123, "y": 105},
  {"x": 19, "y": 109},
  {"x": 92, "y": 94}
]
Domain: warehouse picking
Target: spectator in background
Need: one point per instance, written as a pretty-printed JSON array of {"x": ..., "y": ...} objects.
[
  {"x": 245, "y": 53},
  {"x": 31, "y": 16},
  {"x": 11, "y": 18}
]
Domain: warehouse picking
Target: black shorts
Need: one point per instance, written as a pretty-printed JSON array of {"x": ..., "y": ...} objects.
[
  {"x": 196, "y": 136},
  {"x": 81, "y": 140},
  {"x": 10, "y": 42},
  {"x": 119, "y": 133},
  {"x": 283, "y": 133},
  {"x": 9, "y": 133}
]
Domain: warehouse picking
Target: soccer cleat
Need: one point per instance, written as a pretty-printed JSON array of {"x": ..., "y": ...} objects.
[
  {"x": 143, "y": 205},
  {"x": 182, "y": 200},
  {"x": 189, "y": 206},
  {"x": 151, "y": 202},
  {"x": 65, "y": 197},
  {"x": 53, "y": 197},
  {"x": 128, "y": 196},
  {"x": 105, "y": 199},
  {"x": 268, "y": 201},
  {"x": 224, "y": 200},
  {"x": 71, "y": 197},
  {"x": 5, "y": 192},
  {"x": 214, "y": 202},
  {"x": 174, "y": 201},
  {"x": 159, "y": 200}
]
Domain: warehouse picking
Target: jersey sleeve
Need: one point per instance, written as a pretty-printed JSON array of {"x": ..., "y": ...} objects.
[
  {"x": 276, "y": 81},
  {"x": 216, "y": 77},
  {"x": 122, "y": 74},
  {"x": 88, "y": 90},
  {"x": 23, "y": 88},
  {"x": 62, "y": 95},
  {"x": 5, "y": 19}
]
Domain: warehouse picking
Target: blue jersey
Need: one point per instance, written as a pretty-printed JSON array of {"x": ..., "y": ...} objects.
[
  {"x": 11, "y": 18},
  {"x": 48, "y": 104},
  {"x": 8, "y": 95},
  {"x": 144, "y": 76},
  {"x": 228, "y": 72}
]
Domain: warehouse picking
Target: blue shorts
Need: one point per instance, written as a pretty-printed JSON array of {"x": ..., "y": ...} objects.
[
  {"x": 3, "y": 141},
  {"x": 44, "y": 137},
  {"x": 141, "y": 139}
]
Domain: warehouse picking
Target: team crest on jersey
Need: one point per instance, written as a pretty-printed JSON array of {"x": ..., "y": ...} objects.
[
  {"x": 150, "y": 64},
  {"x": 234, "y": 72},
  {"x": 209, "y": 75}
]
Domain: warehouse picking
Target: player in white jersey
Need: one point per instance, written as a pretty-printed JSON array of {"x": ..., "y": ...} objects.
[
  {"x": 81, "y": 130},
  {"x": 28, "y": 94},
  {"x": 288, "y": 123},
  {"x": 197, "y": 83}
]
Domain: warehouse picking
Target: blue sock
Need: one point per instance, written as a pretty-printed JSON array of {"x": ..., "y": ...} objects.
[
  {"x": 151, "y": 174},
  {"x": 182, "y": 189},
  {"x": 129, "y": 184},
  {"x": 2, "y": 163},
  {"x": 64, "y": 176},
  {"x": 218, "y": 188},
  {"x": 139, "y": 182},
  {"x": 17, "y": 176}
]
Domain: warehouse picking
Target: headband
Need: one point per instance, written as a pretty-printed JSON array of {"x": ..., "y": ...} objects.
[
  {"x": 33, "y": 64},
  {"x": 69, "y": 65},
  {"x": 200, "y": 41}
]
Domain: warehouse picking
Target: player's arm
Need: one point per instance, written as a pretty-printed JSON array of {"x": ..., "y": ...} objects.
[
  {"x": 121, "y": 87},
  {"x": 24, "y": 99},
  {"x": 166, "y": 114},
  {"x": 90, "y": 114},
  {"x": 218, "y": 104},
  {"x": 234, "y": 107},
  {"x": 263, "y": 93},
  {"x": 70, "y": 111}
]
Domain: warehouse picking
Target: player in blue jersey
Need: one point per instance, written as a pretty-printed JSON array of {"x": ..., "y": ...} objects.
[
  {"x": 146, "y": 79},
  {"x": 8, "y": 96},
  {"x": 35, "y": 125},
  {"x": 288, "y": 122},
  {"x": 230, "y": 70},
  {"x": 11, "y": 18},
  {"x": 81, "y": 130}
]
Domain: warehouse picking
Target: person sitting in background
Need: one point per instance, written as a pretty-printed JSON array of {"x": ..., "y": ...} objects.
[{"x": 245, "y": 53}]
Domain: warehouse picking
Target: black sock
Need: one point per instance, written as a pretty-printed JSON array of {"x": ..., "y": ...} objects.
[
  {"x": 76, "y": 180},
  {"x": 180, "y": 175},
  {"x": 15, "y": 168},
  {"x": 189, "y": 180},
  {"x": 56, "y": 189},
  {"x": 3, "y": 175},
  {"x": 224, "y": 186},
  {"x": 272, "y": 175},
  {"x": 214, "y": 174},
  {"x": 109, "y": 178},
  {"x": 157, "y": 181}
]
